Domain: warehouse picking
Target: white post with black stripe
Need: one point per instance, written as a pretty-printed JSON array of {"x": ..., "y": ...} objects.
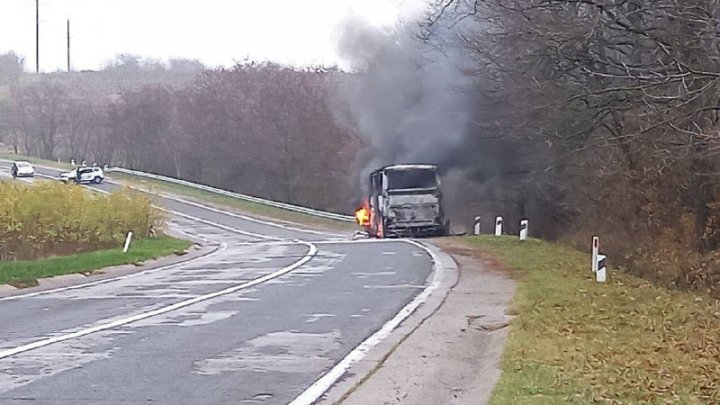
[
  {"x": 595, "y": 250},
  {"x": 498, "y": 226},
  {"x": 476, "y": 226},
  {"x": 523, "y": 229},
  {"x": 602, "y": 269},
  {"x": 128, "y": 238}
]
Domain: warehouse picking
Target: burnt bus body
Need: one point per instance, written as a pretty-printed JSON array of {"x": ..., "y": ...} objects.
[{"x": 406, "y": 201}]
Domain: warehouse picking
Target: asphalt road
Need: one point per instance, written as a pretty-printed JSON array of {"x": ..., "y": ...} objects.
[{"x": 262, "y": 318}]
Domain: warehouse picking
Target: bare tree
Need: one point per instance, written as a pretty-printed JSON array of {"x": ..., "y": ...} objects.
[{"x": 615, "y": 106}]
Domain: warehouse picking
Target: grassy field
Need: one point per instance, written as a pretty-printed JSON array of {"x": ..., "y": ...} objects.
[
  {"x": 235, "y": 203},
  {"x": 623, "y": 342},
  {"x": 26, "y": 273}
]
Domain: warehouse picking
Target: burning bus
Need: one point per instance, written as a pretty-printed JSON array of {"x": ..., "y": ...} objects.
[{"x": 404, "y": 201}]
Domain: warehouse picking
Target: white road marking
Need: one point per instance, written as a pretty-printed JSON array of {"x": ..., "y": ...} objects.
[
  {"x": 223, "y": 247},
  {"x": 316, "y": 317},
  {"x": 247, "y": 218},
  {"x": 324, "y": 383},
  {"x": 360, "y": 241},
  {"x": 394, "y": 286},
  {"x": 108, "y": 280},
  {"x": 191, "y": 236},
  {"x": 270, "y": 243},
  {"x": 221, "y": 226},
  {"x": 46, "y": 176},
  {"x": 232, "y": 214},
  {"x": 382, "y": 273},
  {"x": 120, "y": 322}
]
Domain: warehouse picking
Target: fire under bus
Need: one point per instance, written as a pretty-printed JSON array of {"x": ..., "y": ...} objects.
[{"x": 404, "y": 201}]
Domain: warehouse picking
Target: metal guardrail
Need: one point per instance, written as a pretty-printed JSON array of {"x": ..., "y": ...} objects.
[{"x": 289, "y": 207}]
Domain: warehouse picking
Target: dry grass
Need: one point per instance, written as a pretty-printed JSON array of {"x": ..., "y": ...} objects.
[
  {"x": 624, "y": 342},
  {"x": 50, "y": 218}
]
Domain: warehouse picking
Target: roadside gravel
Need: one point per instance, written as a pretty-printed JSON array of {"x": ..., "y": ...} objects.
[{"x": 453, "y": 357}]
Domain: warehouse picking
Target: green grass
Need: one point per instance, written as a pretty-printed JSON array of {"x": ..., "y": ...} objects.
[
  {"x": 234, "y": 203},
  {"x": 34, "y": 160},
  {"x": 577, "y": 341},
  {"x": 26, "y": 273}
]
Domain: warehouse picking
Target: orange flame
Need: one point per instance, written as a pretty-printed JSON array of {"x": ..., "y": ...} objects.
[{"x": 362, "y": 215}]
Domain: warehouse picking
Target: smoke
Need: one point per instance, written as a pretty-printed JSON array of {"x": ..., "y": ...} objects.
[
  {"x": 414, "y": 101},
  {"x": 408, "y": 99}
]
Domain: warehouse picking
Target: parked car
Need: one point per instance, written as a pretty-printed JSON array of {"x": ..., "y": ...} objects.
[
  {"x": 83, "y": 175},
  {"x": 22, "y": 169}
]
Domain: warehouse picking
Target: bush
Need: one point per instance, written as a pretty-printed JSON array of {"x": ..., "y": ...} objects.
[{"x": 50, "y": 218}]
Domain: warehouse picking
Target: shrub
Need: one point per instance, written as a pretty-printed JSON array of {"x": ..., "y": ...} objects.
[{"x": 49, "y": 218}]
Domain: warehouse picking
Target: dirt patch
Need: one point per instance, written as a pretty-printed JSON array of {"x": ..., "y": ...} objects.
[
  {"x": 453, "y": 357},
  {"x": 455, "y": 247}
]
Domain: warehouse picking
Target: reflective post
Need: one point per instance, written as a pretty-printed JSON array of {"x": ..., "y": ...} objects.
[
  {"x": 498, "y": 226},
  {"x": 523, "y": 229}
]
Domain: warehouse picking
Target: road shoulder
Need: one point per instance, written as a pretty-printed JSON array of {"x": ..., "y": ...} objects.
[{"x": 452, "y": 356}]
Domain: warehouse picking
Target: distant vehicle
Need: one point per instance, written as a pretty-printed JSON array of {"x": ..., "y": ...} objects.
[
  {"x": 404, "y": 201},
  {"x": 83, "y": 175},
  {"x": 22, "y": 169}
]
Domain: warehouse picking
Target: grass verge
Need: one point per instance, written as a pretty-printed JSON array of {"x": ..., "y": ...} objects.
[
  {"x": 36, "y": 161},
  {"x": 622, "y": 342},
  {"x": 249, "y": 207},
  {"x": 25, "y": 273}
]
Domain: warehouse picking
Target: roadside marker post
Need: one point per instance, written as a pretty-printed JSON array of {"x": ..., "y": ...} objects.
[
  {"x": 523, "y": 229},
  {"x": 602, "y": 269},
  {"x": 476, "y": 226},
  {"x": 595, "y": 249},
  {"x": 128, "y": 238},
  {"x": 498, "y": 226}
]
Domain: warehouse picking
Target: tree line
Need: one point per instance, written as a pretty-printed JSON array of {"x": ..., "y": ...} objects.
[
  {"x": 588, "y": 117},
  {"x": 259, "y": 129},
  {"x": 611, "y": 109}
]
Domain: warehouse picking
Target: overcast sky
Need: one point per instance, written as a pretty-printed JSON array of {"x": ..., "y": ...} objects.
[{"x": 217, "y": 32}]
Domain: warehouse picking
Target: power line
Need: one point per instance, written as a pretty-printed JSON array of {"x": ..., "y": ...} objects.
[
  {"x": 37, "y": 36},
  {"x": 68, "y": 45}
]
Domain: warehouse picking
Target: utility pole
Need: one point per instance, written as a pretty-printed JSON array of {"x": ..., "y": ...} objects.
[
  {"x": 68, "y": 43},
  {"x": 37, "y": 36}
]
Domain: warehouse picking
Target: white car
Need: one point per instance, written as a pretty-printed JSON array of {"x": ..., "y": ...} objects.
[
  {"x": 83, "y": 175},
  {"x": 22, "y": 169}
]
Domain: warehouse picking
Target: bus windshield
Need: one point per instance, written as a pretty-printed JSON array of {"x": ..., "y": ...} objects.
[{"x": 411, "y": 179}]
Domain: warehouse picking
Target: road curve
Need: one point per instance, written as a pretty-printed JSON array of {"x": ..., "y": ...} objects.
[{"x": 273, "y": 310}]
